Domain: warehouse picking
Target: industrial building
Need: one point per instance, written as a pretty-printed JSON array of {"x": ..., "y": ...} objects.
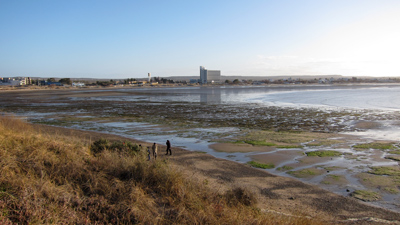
[{"x": 209, "y": 76}]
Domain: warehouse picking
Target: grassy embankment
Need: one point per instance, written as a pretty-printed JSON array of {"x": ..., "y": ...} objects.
[{"x": 51, "y": 179}]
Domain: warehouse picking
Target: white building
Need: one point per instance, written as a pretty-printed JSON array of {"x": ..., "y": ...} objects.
[
  {"x": 78, "y": 84},
  {"x": 209, "y": 76},
  {"x": 19, "y": 81}
]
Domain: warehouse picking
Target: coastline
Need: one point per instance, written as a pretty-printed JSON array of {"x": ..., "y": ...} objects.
[
  {"x": 107, "y": 110},
  {"x": 22, "y": 88},
  {"x": 276, "y": 194}
]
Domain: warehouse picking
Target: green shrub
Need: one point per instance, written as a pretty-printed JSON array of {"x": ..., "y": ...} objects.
[
  {"x": 259, "y": 143},
  {"x": 289, "y": 146},
  {"x": 328, "y": 153},
  {"x": 99, "y": 146},
  {"x": 385, "y": 170},
  {"x": 365, "y": 195},
  {"x": 285, "y": 168},
  {"x": 124, "y": 147},
  {"x": 261, "y": 165},
  {"x": 118, "y": 146},
  {"x": 397, "y": 152},
  {"x": 376, "y": 145},
  {"x": 306, "y": 173}
]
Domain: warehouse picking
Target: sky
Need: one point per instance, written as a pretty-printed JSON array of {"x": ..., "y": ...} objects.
[{"x": 128, "y": 39}]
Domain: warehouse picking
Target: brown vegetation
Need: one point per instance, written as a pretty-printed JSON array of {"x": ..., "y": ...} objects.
[{"x": 55, "y": 179}]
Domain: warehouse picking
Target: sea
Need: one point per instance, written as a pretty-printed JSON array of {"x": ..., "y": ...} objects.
[{"x": 374, "y": 97}]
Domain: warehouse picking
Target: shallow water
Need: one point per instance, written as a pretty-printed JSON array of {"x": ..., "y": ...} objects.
[
  {"x": 347, "y": 96},
  {"x": 388, "y": 130},
  {"x": 382, "y": 98}
]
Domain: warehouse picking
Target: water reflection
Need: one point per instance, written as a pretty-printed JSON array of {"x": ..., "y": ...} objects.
[
  {"x": 360, "y": 97},
  {"x": 211, "y": 96}
]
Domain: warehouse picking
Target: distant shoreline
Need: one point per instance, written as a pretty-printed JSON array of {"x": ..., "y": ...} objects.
[{"x": 21, "y": 88}]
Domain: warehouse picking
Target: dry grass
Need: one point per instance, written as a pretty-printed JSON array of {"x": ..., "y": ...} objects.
[{"x": 50, "y": 179}]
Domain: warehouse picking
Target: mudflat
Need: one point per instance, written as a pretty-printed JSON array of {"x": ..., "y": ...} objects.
[{"x": 281, "y": 195}]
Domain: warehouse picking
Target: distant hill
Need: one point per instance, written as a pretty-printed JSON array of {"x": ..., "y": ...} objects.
[{"x": 258, "y": 78}]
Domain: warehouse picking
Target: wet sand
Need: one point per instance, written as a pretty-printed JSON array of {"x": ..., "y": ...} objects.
[
  {"x": 342, "y": 174},
  {"x": 277, "y": 158},
  {"x": 231, "y": 148}
]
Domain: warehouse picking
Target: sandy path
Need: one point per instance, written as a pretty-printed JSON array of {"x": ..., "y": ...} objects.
[{"x": 276, "y": 194}]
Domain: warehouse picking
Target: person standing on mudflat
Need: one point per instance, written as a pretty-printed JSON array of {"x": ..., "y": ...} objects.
[
  {"x": 154, "y": 150},
  {"x": 168, "y": 148}
]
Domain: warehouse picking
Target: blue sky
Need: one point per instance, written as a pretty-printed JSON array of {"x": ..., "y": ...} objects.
[{"x": 128, "y": 39}]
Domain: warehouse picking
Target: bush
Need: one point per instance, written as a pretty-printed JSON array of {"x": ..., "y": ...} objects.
[
  {"x": 124, "y": 147},
  {"x": 118, "y": 146},
  {"x": 99, "y": 146},
  {"x": 240, "y": 195}
]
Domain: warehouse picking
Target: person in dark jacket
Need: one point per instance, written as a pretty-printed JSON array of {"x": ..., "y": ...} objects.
[{"x": 168, "y": 148}]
